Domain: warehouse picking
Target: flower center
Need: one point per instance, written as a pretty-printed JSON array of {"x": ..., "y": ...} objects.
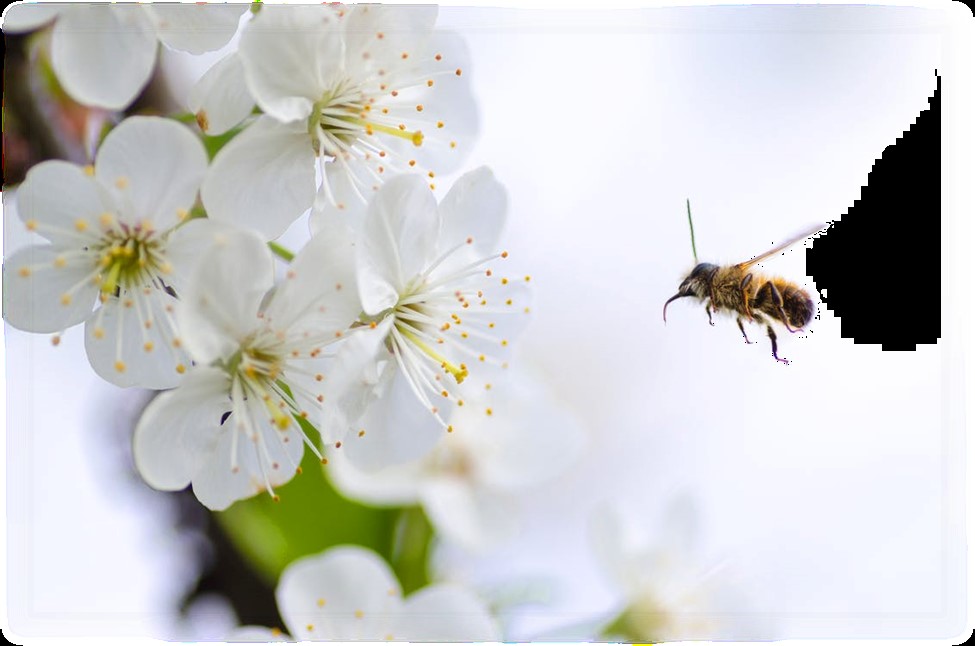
[
  {"x": 129, "y": 257},
  {"x": 254, "y": 373},
  {"x": 344, "y": 114}
]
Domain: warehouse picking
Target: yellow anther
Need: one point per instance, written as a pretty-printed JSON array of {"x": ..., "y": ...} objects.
[
  {"x": 24, "y": 272},
  {"x": 122, "y": 182},
  {"x": 148, "y": 346},
  {"x": 417, "y": 138},
  {"x": 203, "y": 120},
  {"x": 89, "y": 170},
  {"x": 60, "y": 262},
  {"x": 419, "y": 107},
  {"x": 359, "y": 614},
  {"x": 321, "y": 603},
  {"x": 453, "y": 144},
  {"x": 430, "y": 83},
  {"x": 504, "y": 281},
  {"x": 458, "y": 71},
  {"x": 81, "y": 224},
  {"x": 31, "y": 224},
  {"x": 106, "y": 219},
  {"x": 180, "y": 368},
  {"x": 182, "y": 214},
  {"x": 120, "y": 366},
  {"x": 66, "y": 299}
]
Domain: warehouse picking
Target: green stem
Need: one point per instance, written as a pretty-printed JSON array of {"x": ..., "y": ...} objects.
[{"x": 281, "y": 252}]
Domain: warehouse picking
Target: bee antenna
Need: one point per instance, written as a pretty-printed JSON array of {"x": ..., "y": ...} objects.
[{"x": 691, "y": 223}]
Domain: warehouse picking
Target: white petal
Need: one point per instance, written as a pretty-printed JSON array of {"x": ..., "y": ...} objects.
[
  {"x": 178, "y": 429},
  {"x": 218, "y": 307},
  {"x": 39, "y": 296},
  {"x": 445, "y": 613},
  {"x": 285, "y": 51},
  {"x": 154, "y": 167},
  {"x": 25, "y": 16},
  {"x": 220, "y": 99},
  {"x": 59, "y": 197},
  {"x": 190, "y": 243},
  {"x": 398, "y": 241},
  {"x": 465, "y": 514},
  {"x": 533, "y": 437},
  {"x": 474, "y": 207},
  {"x": 359, "y": 374},
  {"x": 145, "y": 355},
  {"x": 319, "y": 295},
  {"x": 196, "y": 28},
  {"x": 217, "y": 485},
  {"x": 403, "y": 29},
  {"x": 103, "y": 55},
  {"x": 394, "y": 486},
  {"x": 398, "y": 428},
  {"x": 326, "y": 592},
  {"x": 263, "y": 179}
]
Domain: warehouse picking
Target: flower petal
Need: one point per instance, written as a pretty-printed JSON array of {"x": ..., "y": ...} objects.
[
  {"x": 47, "y": 290},
  {"x": 475, "y": 207},
  {"x": 398, "y": 241},
  {"x": 196, "y": 28},
  {"x": 190, "y": 243},
  {"x": 27, "y": 16},
  {"x": 445, "y": 613},
  {"x": 220, "y": 99},
  {"x": 61, "y": 203},
  {"x": 218, "y": 484},
  {"x": 103, "y": 55},
  {"x": 263, "y": 179},
  {"x": 394, "y": 486},
  {"x": 403, "y": 29},
  {"x": 466, "y": 514},
  {"x": 125, "y": 352},
  {"x": 219, "y": 306},
  {"x": 255, "y": 634},
  {"x": 154, "y": 167},
  {"x": 398, "y": 428},
  {"x": 305, "y": 41},
  {"x": 319, "y": 295},
  {"x": 345, "y": 593},
  {"x": 178, "y": 429}
]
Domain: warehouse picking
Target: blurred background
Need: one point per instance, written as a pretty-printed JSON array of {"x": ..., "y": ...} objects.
[{"x": 826, "y": 493}]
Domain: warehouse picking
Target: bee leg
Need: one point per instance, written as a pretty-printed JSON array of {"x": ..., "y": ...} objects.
[
  {"x": 775, "y": 346},
  {"x": 742, "y": 328},
  {"x": 777, "y": 301},
  {"x": 707, "y": 308},
  {"x": 744, "y": 295}
]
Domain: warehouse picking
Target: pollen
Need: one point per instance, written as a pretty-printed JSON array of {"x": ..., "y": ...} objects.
[
  {"x": 319, "y": 377},
  {"x": 81, "y": 224},
  {"x": 106, "y": 219},
  {"x": 372, "y": 325},
  {"x": 419, "y": 107},
  {"x": 489, "y": 412},
  {"x": 412, "y": 162},
  {"x": 31, "y": 224},
  {"x": 203, "y": 120},
  {"x": 504, "y": 281},
  {"x": 458, "y": 71},
  {"x": 417, "y": 138},
  {"x": 380, "y": 35},
  {"x": 120, "y": 366},
  {"x": 359, "y": 614},
  {"x": 24, "y": 272},
  {"x": 148, "y": 346},
  {"x": 182, "y": 214},
  {"x": 310, "y": 627},
  {"x": 89, "y": 170},
  {"x": 453, "y": 144},
  {"x": 528, "y": 279},
  {"x": 177, "y": 343},
  {"x": 450, "y": 428},
  {"x": 438, "y": 57},
  {"x": 122, "y": 182},
  {"x": 362, "y": 433},
  {"x": 508, "y": 302},
  {"x": 338, "y": 445},
  {"x": 320, "y": 603},
  {"x": 504, "y": 343},
  {"x": 440, "y": 124},
  {"x": 504, "y": 254},
  {"x": 180, "y": 368},
  {"x": 66, "y": 299}
]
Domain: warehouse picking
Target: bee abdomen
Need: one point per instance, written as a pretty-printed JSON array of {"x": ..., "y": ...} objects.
[{"x": 798, "y": 307}]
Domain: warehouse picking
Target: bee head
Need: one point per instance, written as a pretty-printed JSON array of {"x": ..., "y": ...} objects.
[{"x": 697, "y": 284}]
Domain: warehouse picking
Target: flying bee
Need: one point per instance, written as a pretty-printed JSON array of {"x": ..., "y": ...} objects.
[{"x": 749, "y": 294}]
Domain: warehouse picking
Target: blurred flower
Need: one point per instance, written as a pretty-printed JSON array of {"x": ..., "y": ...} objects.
[
  {"x": 118, "y": 235},
  {"x": 469, "y": 484},
  {"x": 361, "y": 92},
  {"x": 348, "y": 593},
  {"x": 104, "y": 54},
  {"x": 668, "y": 594},
  {"x": 436, "y": 315},
  {"x": 229, "y": 428}
]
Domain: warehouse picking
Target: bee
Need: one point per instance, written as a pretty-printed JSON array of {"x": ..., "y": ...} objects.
[{"x": 749, "y": 294}]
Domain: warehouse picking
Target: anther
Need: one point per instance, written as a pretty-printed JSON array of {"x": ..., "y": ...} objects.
[
  {"x": 80, "y": 224},
  {"x": 120, "y": 366},
  {"x": 23, "y": 272}
]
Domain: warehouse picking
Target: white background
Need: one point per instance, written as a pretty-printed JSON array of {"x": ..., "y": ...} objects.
[{"x": 822, "y": 486}]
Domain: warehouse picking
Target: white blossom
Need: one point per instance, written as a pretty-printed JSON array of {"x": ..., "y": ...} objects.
[
  {"x": 437, "y": 316},
  {"x": 470, "y": 483},
  {"x": 120, "y": 238},
  {"x": 230, "y": 428},
  {"x": 349, "y": 593},
  {"x": 103, "y": 54},
  {"x": 350, "y": 95}
]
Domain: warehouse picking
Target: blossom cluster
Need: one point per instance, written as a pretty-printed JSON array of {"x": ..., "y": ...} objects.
[{"x": 381, "y": 346}]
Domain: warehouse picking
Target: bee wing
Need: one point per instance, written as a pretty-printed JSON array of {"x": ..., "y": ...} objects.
[{"x": 785, "y": 245}]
